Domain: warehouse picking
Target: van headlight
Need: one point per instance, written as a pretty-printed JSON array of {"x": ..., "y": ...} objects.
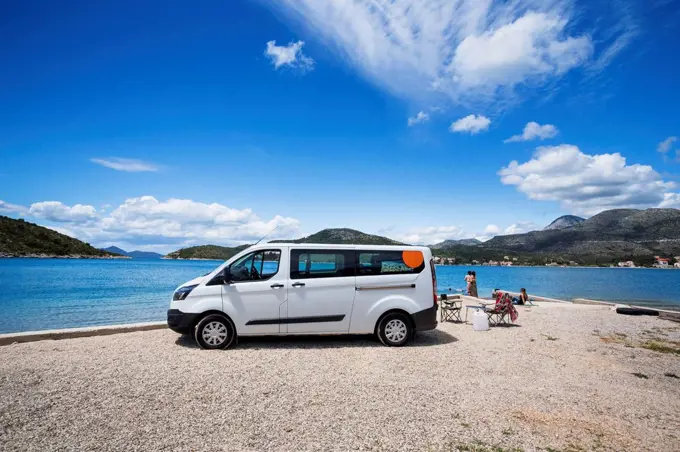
[{"x": 183, "y": 292}]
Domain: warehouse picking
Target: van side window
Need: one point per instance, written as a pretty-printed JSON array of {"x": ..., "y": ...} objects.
[
  {"x": 257, "y": 266},
  {"x": 383, "y": 263},
  {"x": 306, "y": 264}
]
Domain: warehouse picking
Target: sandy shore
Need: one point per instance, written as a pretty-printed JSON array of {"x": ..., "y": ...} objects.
[{"x": 567, "y": 378}]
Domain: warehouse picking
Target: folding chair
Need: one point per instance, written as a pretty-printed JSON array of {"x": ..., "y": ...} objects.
[
  {"x": 499, "y": 313},
  {"x": 451, "y": 308}
]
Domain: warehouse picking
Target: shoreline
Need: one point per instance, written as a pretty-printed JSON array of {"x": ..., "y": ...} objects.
[
  {"x": 556, "y": 266},
  {"x": 191, "y": 259},
  {"x": 97, "y": 330},
  {"x": 54, "y": 256}
]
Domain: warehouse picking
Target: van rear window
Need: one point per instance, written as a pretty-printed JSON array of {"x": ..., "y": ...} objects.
[{"x": 384, "y": 263}]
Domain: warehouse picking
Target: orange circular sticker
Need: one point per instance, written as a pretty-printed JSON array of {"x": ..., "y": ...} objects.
[{"x": 412, "y": 259}]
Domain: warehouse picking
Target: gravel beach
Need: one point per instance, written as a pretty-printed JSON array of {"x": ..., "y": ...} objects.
[{"x": 565, "y": 378}]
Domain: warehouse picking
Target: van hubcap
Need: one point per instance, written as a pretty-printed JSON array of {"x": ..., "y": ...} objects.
[
  {"x": 214, "y": 333},
  {"x": 395, "y": 330}
]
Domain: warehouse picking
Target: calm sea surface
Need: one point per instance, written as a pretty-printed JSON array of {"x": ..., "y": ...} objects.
[{"x": 38, "y": 294}]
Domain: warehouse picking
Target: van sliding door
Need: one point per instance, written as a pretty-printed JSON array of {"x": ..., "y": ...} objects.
[{"x": 321, "y": 290}]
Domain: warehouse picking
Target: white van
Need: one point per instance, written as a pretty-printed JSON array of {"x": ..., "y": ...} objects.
[{"x": 288, "y": 289}]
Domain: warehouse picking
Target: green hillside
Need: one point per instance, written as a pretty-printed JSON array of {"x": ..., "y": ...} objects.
[
  {"x": 346, "y": 236},
  {"x": 21, "y": 238},
  {"x": 206, "y": 252}
]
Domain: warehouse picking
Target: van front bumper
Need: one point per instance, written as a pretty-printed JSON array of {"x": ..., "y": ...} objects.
[
  {"x": 181, "y": 322},
  {"x": 426, "y": 319}
]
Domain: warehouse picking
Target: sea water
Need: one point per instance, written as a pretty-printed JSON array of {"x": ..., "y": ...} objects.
[{"x": 39, "y": 294}]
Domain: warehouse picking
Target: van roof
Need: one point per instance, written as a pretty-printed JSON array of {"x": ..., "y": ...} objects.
[{"x": 347, "y": 245}]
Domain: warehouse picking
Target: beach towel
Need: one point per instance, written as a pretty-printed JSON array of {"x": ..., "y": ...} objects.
[{"x": 504, "y": 302}]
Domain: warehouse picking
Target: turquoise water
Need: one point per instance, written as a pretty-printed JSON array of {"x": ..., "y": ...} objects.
[
  {"x": 38, "y": 294},
  {"x": 660, "y": 288}
]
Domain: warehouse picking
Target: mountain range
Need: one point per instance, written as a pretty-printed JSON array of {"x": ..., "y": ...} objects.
[
  {"x": 604, "y": 238},
  {"x": 133, "y": 254},
  {"x": 619, "y": 234}
]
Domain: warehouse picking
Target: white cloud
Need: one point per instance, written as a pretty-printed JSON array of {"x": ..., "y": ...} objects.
[
  {"x": 128, "y": 165},
  {"x": 171, "y": 224},
  {"x": 532, "y": 46},
  {"x": 418, "y": 119},
  {"x": 290, "y": 55},
  {"x": 61, "y": 213},
  {"x": 520, "y": 227},
  {"x": 471, "y": 123},
  {"x": 492, "y": 229},
  {"x": 586, "y": 184},
  {"x": 431, "y": 235},
  {"x": 462, "y": 49},
  {"x": 6, "y": 207},
  {"x": 666, "y": 145},
  {"x": 534, "y": 130},
  {"x": 670, "y": 200}
]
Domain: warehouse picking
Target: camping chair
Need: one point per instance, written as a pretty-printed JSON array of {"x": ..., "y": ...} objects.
[
  {"x": 451, "y": 308},
  {"x": 503, "y": 309}
]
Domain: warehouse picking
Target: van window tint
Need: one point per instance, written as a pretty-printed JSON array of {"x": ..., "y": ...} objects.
[
  {"x": 321, "y": 263},
  {"x": 384, "y": 263},
  {"x": 257, "y": 266}
]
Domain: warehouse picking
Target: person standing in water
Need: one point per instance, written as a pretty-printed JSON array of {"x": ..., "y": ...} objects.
[
  {"x": 472, "y": 290},
  {"x": 468, "y": 282}
]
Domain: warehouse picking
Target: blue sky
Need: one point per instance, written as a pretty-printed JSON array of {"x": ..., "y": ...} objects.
[{"x": 155, "y": 125}]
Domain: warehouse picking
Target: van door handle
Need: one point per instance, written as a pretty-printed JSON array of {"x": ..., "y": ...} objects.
[
  {"x": 276, "y": 286},
  {"x": 298, "y": 284}
]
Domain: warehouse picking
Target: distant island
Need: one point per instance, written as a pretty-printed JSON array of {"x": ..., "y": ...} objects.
[
  {"x": 133, "y": 254},
  {"x": 19, "y": 238},
  {"x": 206, "y": 252}
]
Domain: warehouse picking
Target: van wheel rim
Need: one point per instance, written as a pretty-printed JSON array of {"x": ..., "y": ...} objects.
[
  {"x": 214, "y": 333},
  {"x": 395, "y": 330}
]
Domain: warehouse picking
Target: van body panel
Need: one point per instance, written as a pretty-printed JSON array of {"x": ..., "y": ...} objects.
[
  {"x": 325, "y": 302},
  {"x": 254, "y": 307}
]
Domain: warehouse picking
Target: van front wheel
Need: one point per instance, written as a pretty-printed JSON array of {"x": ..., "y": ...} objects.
[
  {"x": 395, "y": 330},
  {"x": 214, "y": 332}
]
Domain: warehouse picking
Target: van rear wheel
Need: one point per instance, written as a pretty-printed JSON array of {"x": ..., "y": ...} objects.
[
  {"x": 214, "y": 332},
  {"x": 395, "y": 330}
]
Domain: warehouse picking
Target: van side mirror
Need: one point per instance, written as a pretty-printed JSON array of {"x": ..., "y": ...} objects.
[
  {"x": 222, "y": 278},
  {"x": 226, "y": 276}
]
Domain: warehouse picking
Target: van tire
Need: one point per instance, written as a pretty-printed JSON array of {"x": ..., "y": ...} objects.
[
  {"x": 395, "y": 329},
  {"x": 214, "y": 332}
]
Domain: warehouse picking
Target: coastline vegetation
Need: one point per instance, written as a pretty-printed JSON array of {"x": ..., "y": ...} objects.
[{"x": 19, "y": 238}]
